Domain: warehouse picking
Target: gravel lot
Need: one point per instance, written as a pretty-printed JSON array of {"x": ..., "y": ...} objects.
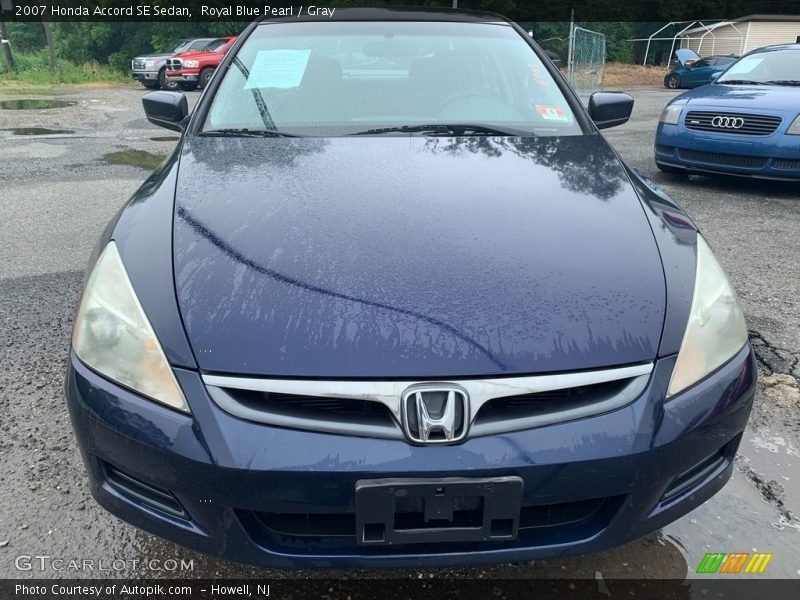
[{"x": 58, "y": 190}]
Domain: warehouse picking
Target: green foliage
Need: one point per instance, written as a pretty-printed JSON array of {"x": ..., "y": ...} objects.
[
  {"x": 25, "y": 37},
  {"x": 34, "y": 68},
  {"x": 618, "y": 48}
]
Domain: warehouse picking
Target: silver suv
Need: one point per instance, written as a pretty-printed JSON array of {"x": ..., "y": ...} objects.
[{"x": 149, "y": 69}]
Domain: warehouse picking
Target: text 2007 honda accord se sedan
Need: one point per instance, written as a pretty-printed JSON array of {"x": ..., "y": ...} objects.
[{"x": 395, "y": 301}]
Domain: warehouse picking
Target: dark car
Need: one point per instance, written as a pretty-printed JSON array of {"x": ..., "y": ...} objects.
[
  {"x": 394, "y": 300},
  {"x": 746, "y": 123},
  {"x": 553, "y": 56},
  {"x": 690, "y": 70}
]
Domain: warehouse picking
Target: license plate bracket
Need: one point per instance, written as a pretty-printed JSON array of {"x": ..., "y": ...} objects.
[{"x": 422, "y": 510}]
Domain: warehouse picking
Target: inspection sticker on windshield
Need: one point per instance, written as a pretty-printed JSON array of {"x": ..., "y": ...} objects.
[
  {"x": 552, "y": 113},
  {"x": 278, "y": 69}
]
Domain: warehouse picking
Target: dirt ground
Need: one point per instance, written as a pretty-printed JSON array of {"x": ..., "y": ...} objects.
[{"x": 621, "y": 75}]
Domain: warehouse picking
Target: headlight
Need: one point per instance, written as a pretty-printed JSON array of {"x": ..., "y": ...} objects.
[
  {"x": 113, "y": 337},
  {"x": 716, "y": 330},
  {"x": 671, "y": 114},
  {"x": 190, "y": 64},
  {"x": 794, "y": 128}
]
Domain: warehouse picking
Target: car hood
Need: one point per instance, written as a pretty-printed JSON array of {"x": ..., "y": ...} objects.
[
  {"x": 768, "y": 97},
  {"x": 154, "y": 56},
  {"x": 684, "y": 54},
  {"x": 413, "y": 257},
  {"x": 194, "y": 54}
]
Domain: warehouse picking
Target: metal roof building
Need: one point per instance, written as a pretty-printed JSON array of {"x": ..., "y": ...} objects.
[{"x": 739, "y": 36}]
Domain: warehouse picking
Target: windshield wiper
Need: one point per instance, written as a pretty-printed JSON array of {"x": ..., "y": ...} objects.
[
  {"x": 744, "y": 82},
  {"x": 244, "y": 132},
  {"x": 784, "y": 82},
  {"x": 448, "y": 129}
]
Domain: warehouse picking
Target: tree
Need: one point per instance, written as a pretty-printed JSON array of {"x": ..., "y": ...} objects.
[
  {"x": 6, "y": 47},
  {"x": 48, "y": 34}
]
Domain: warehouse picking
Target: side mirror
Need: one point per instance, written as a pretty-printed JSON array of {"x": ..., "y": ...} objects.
[
  {"x": 609, "y": 109},
  {"x": 166, "y": 109},
  {"x": 715, "y": 75}
]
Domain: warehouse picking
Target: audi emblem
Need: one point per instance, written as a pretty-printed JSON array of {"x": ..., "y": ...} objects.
[{"x": 727, "y": 122}]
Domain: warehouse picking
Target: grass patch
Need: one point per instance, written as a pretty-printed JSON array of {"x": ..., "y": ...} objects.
[
  {"x": 34, "y": 69},
  {"x": 133, "y": 158},
  {"x": 626, "y": 75}
]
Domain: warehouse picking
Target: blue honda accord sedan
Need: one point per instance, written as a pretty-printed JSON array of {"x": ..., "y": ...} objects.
[
  {"x": 745, "y": 123},
  {"x": 394, "y": 300}
]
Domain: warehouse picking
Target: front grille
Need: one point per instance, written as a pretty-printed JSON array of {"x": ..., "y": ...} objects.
[
  {"x": 701, "y": 120},
  {"x": 174, "y": 64},
  {"x": 373, "y": 408},
  {"x": 524, "y": 406},
  {"x": 786, "y": 163},
  {"x": 315, "y": 407},
  {"x": 726, "y": 160},
  {"x": 335, "y": 533},
  {"x": 138, "y": 64}
]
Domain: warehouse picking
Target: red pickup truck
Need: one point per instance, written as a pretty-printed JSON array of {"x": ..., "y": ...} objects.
[{"x": 192, "y": 69}]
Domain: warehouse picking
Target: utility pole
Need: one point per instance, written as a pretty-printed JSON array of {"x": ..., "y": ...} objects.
[
  {"x": 571, "y": 45},
  {"x": 455, "y": 3},
  {"x": 6, "y": 47}
]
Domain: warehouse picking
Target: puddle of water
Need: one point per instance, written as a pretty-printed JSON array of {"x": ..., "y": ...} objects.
[
  {"x": 166, "y": 138},
  {"x": 37, "y": 131},
  {"x": 133, "y": 158},
  {"x": 737, "y": 519},
  {"x": 35, "y": 104},
  {"x": 44, "y": 90}
]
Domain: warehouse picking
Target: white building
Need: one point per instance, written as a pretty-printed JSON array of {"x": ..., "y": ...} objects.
[{"x": 739, "y": 36}]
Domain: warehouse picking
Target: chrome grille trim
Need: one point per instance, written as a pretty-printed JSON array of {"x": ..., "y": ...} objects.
[
  {"x": 751, "y": 124},
  {"x": 389, "y": 393}
]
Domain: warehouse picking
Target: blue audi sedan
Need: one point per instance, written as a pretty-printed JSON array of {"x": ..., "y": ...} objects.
[
  {"x": 745, "y": 123},
  {"x": 394, "y": 301}
]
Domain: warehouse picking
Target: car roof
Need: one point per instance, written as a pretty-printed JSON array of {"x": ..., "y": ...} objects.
[
  {"x": 400, "y": 14},
  {"x": 775, "y": 47}
]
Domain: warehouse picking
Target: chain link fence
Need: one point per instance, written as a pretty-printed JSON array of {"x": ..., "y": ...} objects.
[
  {"x": 581, "y": 57},
  {"x": 586, "y": 62}
]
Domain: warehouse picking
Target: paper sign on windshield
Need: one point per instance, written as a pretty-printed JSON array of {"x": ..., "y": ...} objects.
[{"x": 278, "y": 69}]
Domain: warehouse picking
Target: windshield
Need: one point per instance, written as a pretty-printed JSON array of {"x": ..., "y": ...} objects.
[
  {"x": 773, "y": 66},
  {"x": 216, "y": 44},
  {"x": 379, "y": 78},
  {"x": 182, "y": 45}
]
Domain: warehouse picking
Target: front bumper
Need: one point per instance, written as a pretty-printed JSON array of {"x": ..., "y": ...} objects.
[
  {"x": 148, "y": 76},
  {"x": 266, "y": 495},
  {"x": 185, "y": 75},
  {"x": 776, "y": 156}
]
